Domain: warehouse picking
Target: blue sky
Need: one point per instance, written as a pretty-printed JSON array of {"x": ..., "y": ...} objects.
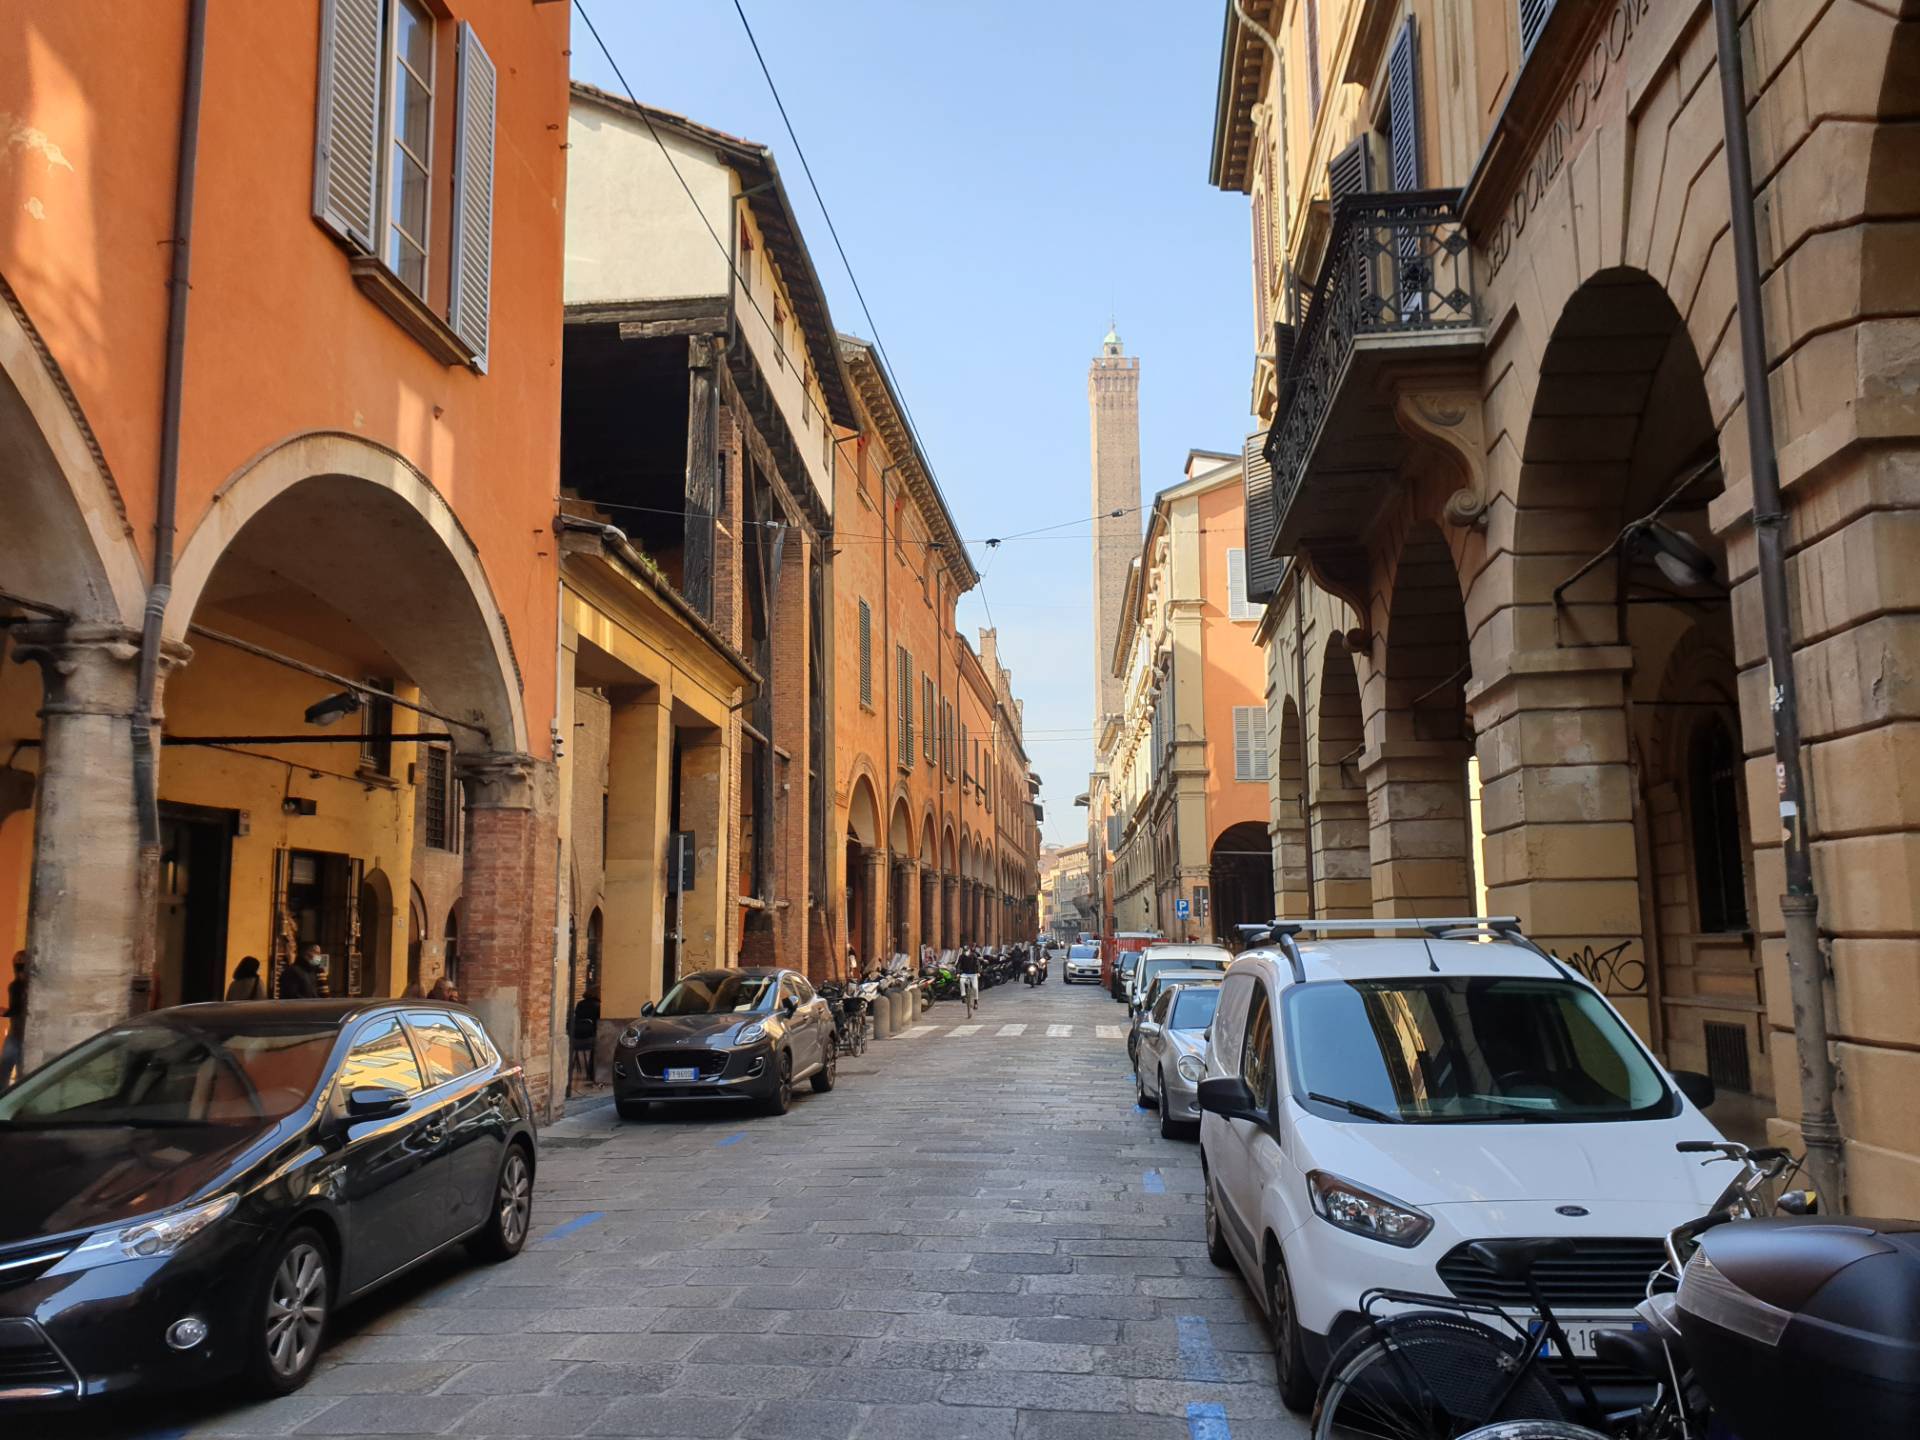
[{"x": 1003, "y": 176}]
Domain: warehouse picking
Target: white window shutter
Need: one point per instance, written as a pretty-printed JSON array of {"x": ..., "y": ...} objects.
[
  {"x": 472, "y": 267},
  {"x": 1237, "y": 585},
  {"x": 347, "y": 129}
]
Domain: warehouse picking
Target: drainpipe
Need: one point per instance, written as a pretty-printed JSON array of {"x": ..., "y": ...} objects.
[
  {"x": 1806, "y": 962},
  {"x": 1300, "y": 682},
  {"x": 145, "y": 773}
]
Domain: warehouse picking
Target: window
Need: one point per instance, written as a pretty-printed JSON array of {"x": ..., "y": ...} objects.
[
  {"x": 376, "y": 728},
  {"x": 1533, "y": 19},
  {"x": 904, "y": 690},
  {"x": 1256, "y": 1055},
  {"x": 1249, "y": 742},
  {"x": 866, "y": 655},
  {"x": 926, "y": 717},
  {"x": 477, "y": 1037},
  {"x": 443, "y": 1049},
  {"x": 381, "y": 1056},
  {"x": 946, "y": 736},
  {"x": 374, "y": 185},
  {"x": 966, "y": 775},
  {"x": 1237, "y": 606},
  {"x": 440, "y": 802},
  {"x": 1719, "y": 866}
]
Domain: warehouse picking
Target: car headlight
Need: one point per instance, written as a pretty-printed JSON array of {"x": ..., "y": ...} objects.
[
  {"x": 1345, "y": 1205},
  {"x": 1192, "y": 1068},
  {"x": 630, "y": 1037},
  {"x": 753, "y": 1032},
  {"x": 150, "y": 1239}
]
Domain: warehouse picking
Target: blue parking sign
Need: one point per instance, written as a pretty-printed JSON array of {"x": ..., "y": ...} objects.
[{"x": 1180, "y": 909}]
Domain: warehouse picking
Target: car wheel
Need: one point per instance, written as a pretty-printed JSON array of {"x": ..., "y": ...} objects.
[
  {"x": 1217, "y": 1250},
  {"x": 293, "y": 1296},
  {"x": 1290, "y": 1369},
  {"x": 780, "y": 1098},
  {"x": 506, "y": 1231},
  {"x": 1169, "y": 1127},
  {"x": 1140, "y": 1089},
  {"x": 631, "y": 1109},
  {"x": 829, "y": 1064}
]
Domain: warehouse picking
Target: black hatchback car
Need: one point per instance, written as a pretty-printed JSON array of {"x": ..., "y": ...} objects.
[{"x": 192, "y": 1194}]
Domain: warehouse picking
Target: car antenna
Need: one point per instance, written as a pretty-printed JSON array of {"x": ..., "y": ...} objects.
[{"x": 1432, "y": 964}]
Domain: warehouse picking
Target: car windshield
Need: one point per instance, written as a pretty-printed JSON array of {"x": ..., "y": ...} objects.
[
  {"x": 193, "y": 1071},
  {"x": 1129, "y": 959},
  {"x": 1467, "y": 1048},
  {"x": 1193, "y": 1009},
  {"x": 718, "y": 992},
  {"x": 1082, "y": 952}
]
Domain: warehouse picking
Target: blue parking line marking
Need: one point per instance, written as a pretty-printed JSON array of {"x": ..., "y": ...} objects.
[
  {"x": 579, "y": 1223},
  {"x": 1207, "y": 1422},
  {"x": 1152, "y": 1183},
  {"x": 733, "y": 1139},
  {"x": 1198, "y": 1360}
]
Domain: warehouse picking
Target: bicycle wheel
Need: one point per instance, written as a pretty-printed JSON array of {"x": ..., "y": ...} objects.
[
  {"x": 1534, "y": 1430},
  {"x": 1429, "y": 1377}
]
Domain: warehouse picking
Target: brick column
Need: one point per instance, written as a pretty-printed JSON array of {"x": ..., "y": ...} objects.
[
  {"x": 704, "y": 806},
  {"x": 85, "y": 914},
  {"x": 873, "y": 944},
  {"x": 949, "y": 912},
  {"x": 508, "y": 957}
]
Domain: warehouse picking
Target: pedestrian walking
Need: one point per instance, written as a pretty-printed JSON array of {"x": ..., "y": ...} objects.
[
  {"x": 16, "y": 1022},
  {"x": 443, "y": 990},
  {"x": 245, "y": 984},
  {"x": 586, "y": 1031},
  {"x": 301, "y": 980}
]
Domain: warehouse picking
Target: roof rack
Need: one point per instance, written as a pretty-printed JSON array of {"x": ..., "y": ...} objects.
[{"x": 1285, "y": 933}]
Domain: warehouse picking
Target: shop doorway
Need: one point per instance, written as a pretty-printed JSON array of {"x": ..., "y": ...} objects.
[
  {"x": 318, "y": 904},
  {"x": 196, "y": 862}
]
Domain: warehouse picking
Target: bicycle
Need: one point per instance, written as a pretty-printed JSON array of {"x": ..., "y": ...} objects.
[{"x": 1449, "y": 1366}]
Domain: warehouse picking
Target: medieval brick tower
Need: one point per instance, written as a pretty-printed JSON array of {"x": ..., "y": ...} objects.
[{"x": 1113, "y": 400}]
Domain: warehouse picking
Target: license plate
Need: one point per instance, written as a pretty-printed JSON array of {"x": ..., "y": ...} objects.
[
  {"x": 1581, "y": 1332},
  {"x": 679, "y": 1075}
]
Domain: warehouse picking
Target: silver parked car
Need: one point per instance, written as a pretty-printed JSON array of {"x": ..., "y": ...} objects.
[
  {"x": 1176, "y": 955},
  {"x": 1173, "y": 1048},
  {"x": 1162, "y": 982}
]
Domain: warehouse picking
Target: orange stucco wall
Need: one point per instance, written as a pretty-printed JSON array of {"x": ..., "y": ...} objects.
[
  {"x": 281, "y": 340},
  {"x": 1235, "y": 668}
]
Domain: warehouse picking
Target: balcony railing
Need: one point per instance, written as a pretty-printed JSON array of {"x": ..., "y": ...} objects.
[{"x": 1397, "y": 267}]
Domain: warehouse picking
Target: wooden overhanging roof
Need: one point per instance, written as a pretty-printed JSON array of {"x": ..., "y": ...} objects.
[
  {"x": 773, "y": 213},
  {"x": 1243, "y": 66},
  {"x": 882, "y": 402}
]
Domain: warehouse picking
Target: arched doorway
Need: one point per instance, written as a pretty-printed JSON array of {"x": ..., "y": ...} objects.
[
  {"x": 450, "y": 948},
  {"x": 929, "y": 886},
  {"x": 1292, "y": 865},
  {"x": 375, "y": 938},
  {"x": 1338, "y": 826},
  {"x": 902, "y": 888},
  {"x": 416, "y": 937},
  {"x": 1240, "y": 881},
  {"x": 862, "y": 855}
]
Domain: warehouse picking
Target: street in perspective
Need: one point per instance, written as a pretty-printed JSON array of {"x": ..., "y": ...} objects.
[{"x": 1157, "y": 724}]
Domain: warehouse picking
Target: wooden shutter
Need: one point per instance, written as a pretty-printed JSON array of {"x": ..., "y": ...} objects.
[
  {"x": 903, "y": 663},
  {"x": 1403, "y": 103},
  {"x": 1263, "y": 571},
  {"x": 866, "y": 654},
  {"x": 1237, "y": 608},
  {"x": 1533, "y": 19},
  {"x": 347, "y": 129},
  {"x": 472, "y": 264},
  {"x": 1242, "y": 742},
  {"x": 1351, "y": 171},
  {"x": 926, "y": 717}
]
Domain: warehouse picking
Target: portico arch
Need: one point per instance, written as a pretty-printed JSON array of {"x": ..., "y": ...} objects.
[{"x": 864, "y": 860}]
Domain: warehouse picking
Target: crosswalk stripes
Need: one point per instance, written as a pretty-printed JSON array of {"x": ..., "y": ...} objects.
[
  {"x": 918, "y": 1030},
  {"x": 1109, "y": 1032},
  {"x": 1056, "y": 1032},
  {"x": 1011, "y": 1030},
  {"x": 966, "y": 1030}
]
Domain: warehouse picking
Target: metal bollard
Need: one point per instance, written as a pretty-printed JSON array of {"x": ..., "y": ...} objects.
[{"x": 882, "y": 1016}]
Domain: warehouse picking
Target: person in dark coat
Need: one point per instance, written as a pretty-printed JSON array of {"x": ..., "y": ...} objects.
[
  {"x": 586, "y": 1030},
  {"x": 246, "y": 980},
  {"x": 301, "y": 980},
  {"x": 16, "y": 1022}
]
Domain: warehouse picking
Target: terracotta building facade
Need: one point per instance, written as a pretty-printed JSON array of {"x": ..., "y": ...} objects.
[
  {"x": 1501, "y": 506},
  {"x": 279, "y": 379}
]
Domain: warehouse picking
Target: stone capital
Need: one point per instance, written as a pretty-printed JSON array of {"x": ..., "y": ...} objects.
[
  {"x": 89, "y": 669},
  {"x": 497, "y": 779}
]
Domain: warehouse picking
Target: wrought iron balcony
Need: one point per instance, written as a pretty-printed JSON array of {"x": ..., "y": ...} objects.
[{"x": 1395, "y": 293}]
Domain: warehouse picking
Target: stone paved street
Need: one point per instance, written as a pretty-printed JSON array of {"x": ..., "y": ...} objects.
[{"x": 975, "y": 1235}]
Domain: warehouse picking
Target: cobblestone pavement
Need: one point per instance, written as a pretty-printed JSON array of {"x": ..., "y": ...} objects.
[{"x": 976, "y": 1234}]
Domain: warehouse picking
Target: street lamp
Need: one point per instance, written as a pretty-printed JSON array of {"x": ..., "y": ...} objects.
[{"x": 335, "y": 707}]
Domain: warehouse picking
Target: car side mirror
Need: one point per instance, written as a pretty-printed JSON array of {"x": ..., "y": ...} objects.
[
  {"x": 1696, "y": 1087},
  {"x": 374, "y": 1102},
  {"x": 1228, "y": 1097},
  {"x": 647, "y": 1009},
  {"x": 1148, "y": 1027}
]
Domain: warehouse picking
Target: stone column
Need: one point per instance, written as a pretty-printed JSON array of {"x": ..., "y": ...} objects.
[
  {"x": 704, "y": 803},
  {"x": 84, "y": 910},
  {"x": 873, "y": 944},
  {"x": 949, "y": 912},
  {"x": 1418, "y": 822},
  {"x": 639, "y": 796},
  {"x": 509, "y": 958},
  {"x": 910, "y": 883},
  {"x": 1557, "y": 810}
]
